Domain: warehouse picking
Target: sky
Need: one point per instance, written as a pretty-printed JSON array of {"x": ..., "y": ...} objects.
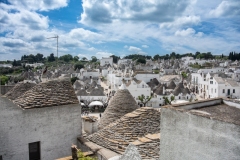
[{"x": 121, "y": 27}]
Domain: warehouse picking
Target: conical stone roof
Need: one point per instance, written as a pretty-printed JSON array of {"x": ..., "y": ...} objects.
[
  {"x": 47, "y": 94},
  {"x": 120, "y": 104},
  {"x": 171, "y": 85},
  {"x": 140, "y": 127},
  {"x": 178, "y": 89},
  {"x": 19, "y": 89}
]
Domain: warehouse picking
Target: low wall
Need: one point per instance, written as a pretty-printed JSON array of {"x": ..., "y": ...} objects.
[{"x": 187, "y": 136}]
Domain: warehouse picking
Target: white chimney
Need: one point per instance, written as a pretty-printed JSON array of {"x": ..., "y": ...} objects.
[{"x": 164, "y": 90}]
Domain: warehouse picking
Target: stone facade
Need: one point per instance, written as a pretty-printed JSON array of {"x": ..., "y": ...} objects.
[
  {"x": 56, "y": 128},
  {"x": 209, "y": 132}
]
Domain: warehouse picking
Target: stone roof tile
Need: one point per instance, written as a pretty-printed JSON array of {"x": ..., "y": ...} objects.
[
  {"x": 19, "y": 89},
  {"x": 47, "y": 94},
  {"x": 120, "y": 104},
  {"x": 140, "y": 127}
]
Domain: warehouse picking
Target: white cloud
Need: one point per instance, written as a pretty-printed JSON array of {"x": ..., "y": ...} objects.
[
  {"x": 22, "y": 19},
  {"x": 145, "y": 46},
  {"x": 103, "y": 54},
  {"x": 134, "y": 49},
  {"x": 103, "y": 11},
  {"x": 84, "y": 55},
  {"x": 182, "y": 21},
  {"x": 186, "y": 32},
  {"x": 226, "y": 8},
  {"x": 42, "y": 5},
  {"x": 91, "y": 49},
  {"x": 86, "y": 35}
]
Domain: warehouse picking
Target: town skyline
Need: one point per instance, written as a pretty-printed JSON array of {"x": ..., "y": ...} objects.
[{"x": 88, "y": 28}]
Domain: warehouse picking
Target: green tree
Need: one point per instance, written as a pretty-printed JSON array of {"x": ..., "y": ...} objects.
[
  {"x": 167, "y": 101},
  {"x": 51, "y": 58},
  {"x": 75, "y": 58},
  {"x": 39, "y": 57},
  {"x": 84, "y": 59},
  {"x": 156, "y": 57},
  {"x": 78, "y": 65},
  {"x": 184, "y": 75},
  {"x": 4, "y": 79},
  {"x": 14, "y": 63},
  {"x": 73, "y": 79},
  {"x": 141, "y": 60},
  {"x": 144, "y": 99},
  {"x": 66, "y": 58},
  {"x": 94, "y": 59},
  {"x": 115, "y": 58}
]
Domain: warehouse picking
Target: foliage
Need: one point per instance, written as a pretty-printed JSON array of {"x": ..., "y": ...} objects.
[
  {"x": 137, "y": 56},
  {"x": 172, "y": 98},
  {"x": 141, "y": 60},
  {"x": 16, "y": 63},
  {"x": 75, "y": 58},
  {"x": 156, "y": 71},
  {"x": 78, "y": 65},
  {"x": 94, "y": 59},
  {"x": 167, "y": 101},
  {"x": 32, "y": 58},
  {"x": 82, "y": 157},
  {"x": 144, "y": 99},
  {"x": 115, "y": 58},
  {"x": 51, "y": 58},
  {"x": 73, "y": 79},
  {"x": 234, "y": 56},
  {"x": 196, "y": 66},
  {"x": 4, "y": 79},
  {"x": 84, "y": 59},
  {"x": 66, "y": 58},
  {"x": 184, "y": 75},
  {"x": 6, "y": 70}
]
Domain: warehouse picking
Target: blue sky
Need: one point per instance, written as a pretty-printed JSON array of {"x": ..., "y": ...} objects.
[{"x": 104, "y": 27}]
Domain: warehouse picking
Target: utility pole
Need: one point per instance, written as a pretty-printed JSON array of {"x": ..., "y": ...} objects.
[{"x": 57, "y": 47}]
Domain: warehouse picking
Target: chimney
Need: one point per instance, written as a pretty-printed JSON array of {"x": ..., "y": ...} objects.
[
  {"x": 164, "y": 89},
  {"x": 74, "y": 152}
]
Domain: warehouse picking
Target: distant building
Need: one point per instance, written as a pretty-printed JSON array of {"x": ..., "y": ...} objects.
[
  {"x": 106, "y": 61},
  {"x": 34, "y": 65},
  {"x": 6, "y": 65}
]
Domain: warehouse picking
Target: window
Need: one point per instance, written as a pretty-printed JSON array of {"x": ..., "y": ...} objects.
[
  {"x": 160, "y": 99},
  {"x": 0, "y": 157},
  {"x": 211, "y": 90},
  {"x": 233, "y": 90},
  {"x": 211, "y": 82},
  {"x": 223, "y": 90},
  {"x": 179, "y": 97},
  {"x": 34, "y": 151},
  {"x": 160, "y": 104},
  {"x": 215, "y": 90}
]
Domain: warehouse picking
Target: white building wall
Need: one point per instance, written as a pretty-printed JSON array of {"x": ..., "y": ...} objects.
[
  {"x": 187, "y": 136},
  {"x": 147, "y": 77},
  {"x": 91, "y": 74},
  {"x": 57, "y": 128},
  {"x": 106, "y": 60}
]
